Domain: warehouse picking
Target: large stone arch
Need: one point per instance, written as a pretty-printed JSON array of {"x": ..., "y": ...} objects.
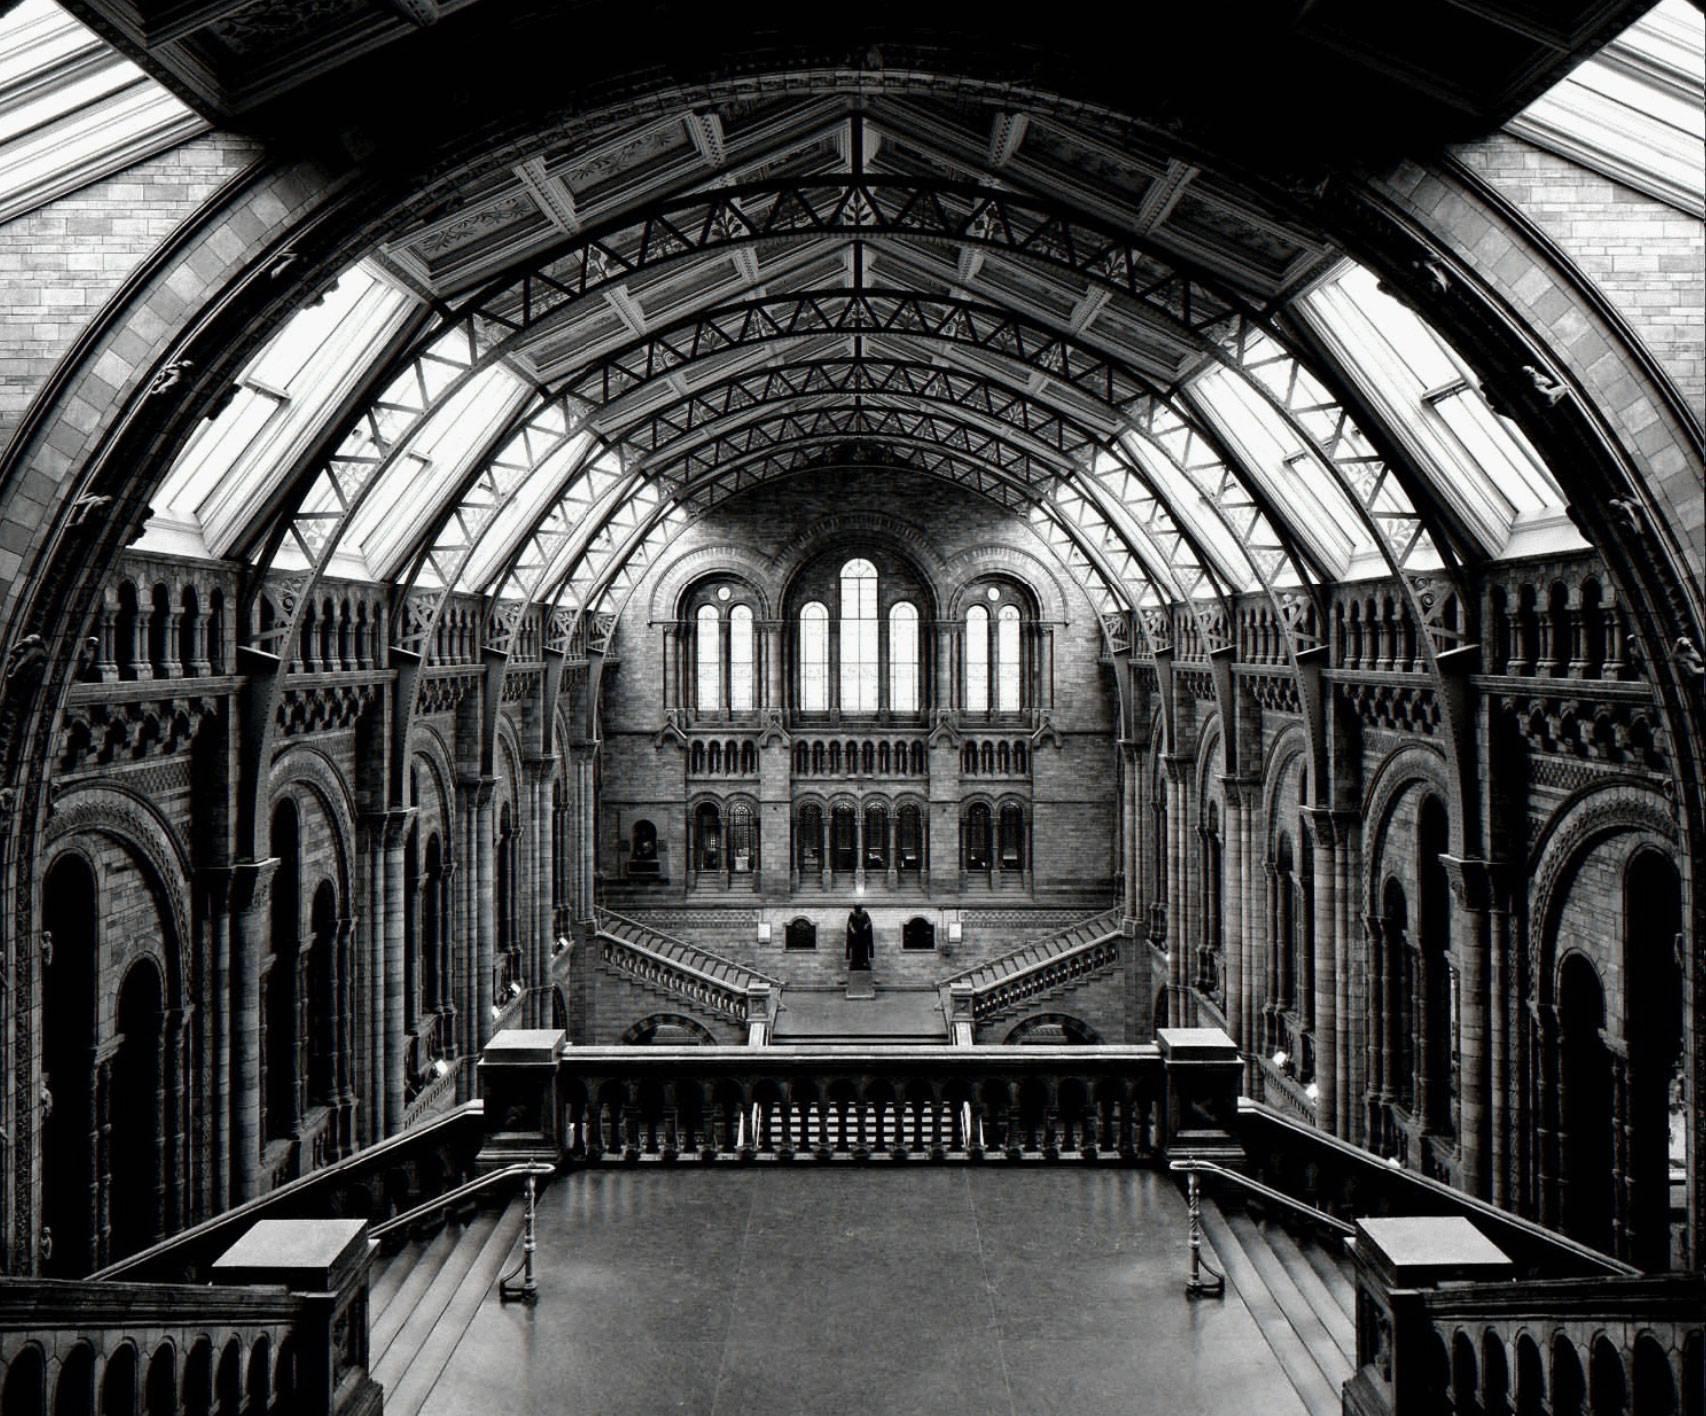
[
  {"x": 309, "y": 768},
  {"x": 727, "y": 558},
  {"x": 1397, "y": 773}
]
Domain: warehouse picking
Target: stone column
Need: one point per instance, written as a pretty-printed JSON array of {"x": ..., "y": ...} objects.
[
  {"x": 1232, "y": 907},
  {"x": 1131, "y": 857},
  {"x": 1502, "y": 1117},
  {"x": 945, "y": 677},
  {"x": 1376, "y": 1093},
  {"x": 485, "y": 905},
  {"x": 859, "y": 846},
  {"x": 373, "y": 982},
  {"x": 671, "y": 657},
  {"x": 539, "y": 774},
  {"x": 1178, "y": 770},
  {"x": 218, "y": 1013},
  {"x": 1349, "y": 1075},
  {"x": 1472, "y": 888},
  {"x": 344, "y": 1045},
  {"x": 774, "y": 659},
  {"x": 396, "y": 830},
  {"x": 251, "y": 899},
  {"x": 1326, "y": 971}
]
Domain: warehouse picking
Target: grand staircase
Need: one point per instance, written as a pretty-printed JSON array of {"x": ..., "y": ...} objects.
[
  {"x": 1064, "y": 957},
  {"x": 1301, "y": 1293},
  {"x": 424, "y": 1295},
  {"x": 684, "y": 972}
]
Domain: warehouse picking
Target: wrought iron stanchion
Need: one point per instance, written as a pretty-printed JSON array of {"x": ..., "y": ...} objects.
[
  {"x": 527, "y": 1291},
  {"x": 1196, "y": 1286}
]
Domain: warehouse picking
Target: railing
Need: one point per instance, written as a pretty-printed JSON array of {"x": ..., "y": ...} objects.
[
  {"x": 780, "y": 1103},
  {"x": 383, "y": 1179},
  {"x": 1076, "y": 952},
  {"x": 118, "y": 1346},
  {"x": 1629, "y": 1344},
  {"x": 1350, "y": 1183},
  {"x": 714, "y": 983},
  {"x": 1193, "y": 1170}
]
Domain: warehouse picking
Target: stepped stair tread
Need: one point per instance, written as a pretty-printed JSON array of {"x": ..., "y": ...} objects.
[
  {"x": 408, "y": 1337},
  {"x": 1338, "y": 1274},
  {"x": 1323, "y": 1302},
  {"x": 1298, "y": 1303},
  {"x": 389, "y": 1271},
  {"x": 430, "y": 1257},
  {"x": 1318, "y": 1394},
  {"x": 415, "y": 1382}
]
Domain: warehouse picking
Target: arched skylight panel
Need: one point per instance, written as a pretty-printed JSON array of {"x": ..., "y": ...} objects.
[
  {"x": 814, "y": 658},
  {"x": 236, "y": 459},
  {"x": 1321, "y": 514},
  {"x": 903, "y": 658},
  {"x": 859, "y": 669},
  {"x": 527, "y": 496},
  {"x": 413, "y": 489},
  {"x": 1636, "y": 110},
  {"x": 571, "y": 528},
  {"x": 1482, "y": 464},
  {"x": 742, "y": 660},
  {"x": 1185, "y": 501}
]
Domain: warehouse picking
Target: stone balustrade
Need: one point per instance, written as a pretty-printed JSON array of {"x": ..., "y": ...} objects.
[
  {"x": 696, "y": 975},
  {"x": 1078, "y": 951}
]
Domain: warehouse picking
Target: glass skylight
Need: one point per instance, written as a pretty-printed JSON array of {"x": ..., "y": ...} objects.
[
  {"x": 1635, "y": 111},
  {"x": 236, "y": 459},
  {"x": 1483, "y": 466}
]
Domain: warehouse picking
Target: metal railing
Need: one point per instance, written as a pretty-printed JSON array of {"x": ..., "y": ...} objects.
[
  {"x": 528, "y": 1289},
  {"x": 1196, "y": 1286}
]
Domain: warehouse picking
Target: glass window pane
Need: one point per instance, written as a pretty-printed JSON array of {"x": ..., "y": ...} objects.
[
  {"x": 709, "y": 647},
  {"x": 858, "y": 637},
  {"x": 1007, "y": 656},
  {"x": 903, "y": 658},
  {"x": 740, "y": 659},
  {"x": 977, "y": 660},
  {"x": 814, "y": 658}
]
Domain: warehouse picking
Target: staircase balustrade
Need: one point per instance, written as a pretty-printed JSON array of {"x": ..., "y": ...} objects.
[
  {"x": 1076, "y": 952},
  {"x": 696, "y": 975}
]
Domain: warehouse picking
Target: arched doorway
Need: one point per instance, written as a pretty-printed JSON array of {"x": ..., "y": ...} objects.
[
  {"x": 1652, "y": 896},
  {"x": 1585, "y": 1103},
  {"x": 138, "y": 1160},
  {"x": 69, "y": 1182}
]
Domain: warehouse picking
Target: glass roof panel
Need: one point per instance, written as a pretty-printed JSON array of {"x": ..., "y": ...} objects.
[
  {"x": 528, "y": 502},
  {"x": 1191, "y": 507},
  {"x": 1322, "y": 515},
  {"x": 1483, "y": 466},
  {"x": 236, "y": 459}
]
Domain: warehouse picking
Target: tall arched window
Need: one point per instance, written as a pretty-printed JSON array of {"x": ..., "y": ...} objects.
[
  {"x": 859, "y": 637},
  {"x": 977, "y": 660},
  {"x": 741, "y": 695},
  {"x": 709, "y": 648},
  {"x": 814, "y": 658},
  {"x": 903, "y": 658},
  {"x": 1007, "y": 659}
]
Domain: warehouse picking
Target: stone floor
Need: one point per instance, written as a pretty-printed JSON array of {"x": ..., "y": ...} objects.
[
  {"x": 938, "y": 1290},
  {"x": 894, "y": 1014}
]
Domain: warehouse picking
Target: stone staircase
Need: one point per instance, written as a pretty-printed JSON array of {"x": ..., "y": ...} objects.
[
  {"x": 691, "y": 975},
  {"x": 1065, "y": 957},
  {"x": 1301, "y": 1293},
  {"x": 424, "y": 1295}
]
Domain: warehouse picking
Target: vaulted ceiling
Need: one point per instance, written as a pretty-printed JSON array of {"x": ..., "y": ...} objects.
[{"x": 1013, "y": 262}]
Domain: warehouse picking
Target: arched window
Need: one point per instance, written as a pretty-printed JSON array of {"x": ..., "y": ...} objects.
[
  {"x": 741, "y": 694},
  {"x": 909, "y": 840},
  {"x": 977, "y": 660},
  {"x": 843, "y": 840},
  {"x": 1012, "y": 836},
  {"x": 977, "y": 837},
  {"x": 858, "y": 637},
  {"x": 1007, "y": 659},
  {"x": 814, "y": 658},
  {"x": 876, "y": 837},
  {"x": 903, "y": 658},
  {"x": 743, "y": 839},
  {"x": 709, "y": 648},
  {"x": 708, "y": 837},
  {"x": 808, "y": 839}
]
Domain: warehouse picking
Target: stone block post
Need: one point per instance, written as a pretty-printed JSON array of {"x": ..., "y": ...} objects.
[
  {"x": 519, "y": 1090},
  {"x": 1204, "y": 1072},
  {"x": 1396, "y": 1260},
  {"x": 325, "y": 1264}
]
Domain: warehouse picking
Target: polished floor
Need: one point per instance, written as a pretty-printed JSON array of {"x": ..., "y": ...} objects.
[{"x": 937, "y": 1291}]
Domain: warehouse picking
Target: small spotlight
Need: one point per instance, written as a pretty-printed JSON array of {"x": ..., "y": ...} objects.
[
  {"x": 440, "y": 1066},
  {"x": 497, "y": 1012},
  {"x": 1312, "y": 1091},
  {"x": 1280, "y": 1058}
]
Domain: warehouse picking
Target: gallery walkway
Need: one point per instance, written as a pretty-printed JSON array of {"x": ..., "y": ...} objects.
[{"x": 928, "y": 1290}]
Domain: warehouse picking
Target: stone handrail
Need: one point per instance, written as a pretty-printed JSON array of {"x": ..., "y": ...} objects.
[
  {"x": 779, "y": 1103},
  {"x": 381, "y": 1180},
  {"x": 714, "y": 983},
  {"x": 1075, "y": 952}
]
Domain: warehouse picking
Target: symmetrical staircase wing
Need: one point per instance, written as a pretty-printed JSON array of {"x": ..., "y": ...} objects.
[
  {"x": 697, "y": 976},
  {"x": 1073, "y": 953}
]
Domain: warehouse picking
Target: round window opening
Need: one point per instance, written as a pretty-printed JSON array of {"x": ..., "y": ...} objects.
[
  {"x": 723, "y": 592},
  {"x": 993, "y": 593}
]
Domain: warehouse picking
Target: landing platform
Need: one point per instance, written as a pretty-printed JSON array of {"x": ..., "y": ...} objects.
[
  {"x": 936, "y": 1291},
  {"x": 890, "y": 1016}
]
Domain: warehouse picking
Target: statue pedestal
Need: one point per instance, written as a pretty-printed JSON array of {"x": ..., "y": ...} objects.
[{"x": 861, "y": 983}]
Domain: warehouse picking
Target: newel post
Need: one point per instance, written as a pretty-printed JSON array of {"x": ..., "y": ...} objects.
[
  {"x": 325, "y": 1264},
  {"x": 1204, "y": 1073},
  {"x": 1402, "y": 1364},
  {"x": 521, "y": 1097}
]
